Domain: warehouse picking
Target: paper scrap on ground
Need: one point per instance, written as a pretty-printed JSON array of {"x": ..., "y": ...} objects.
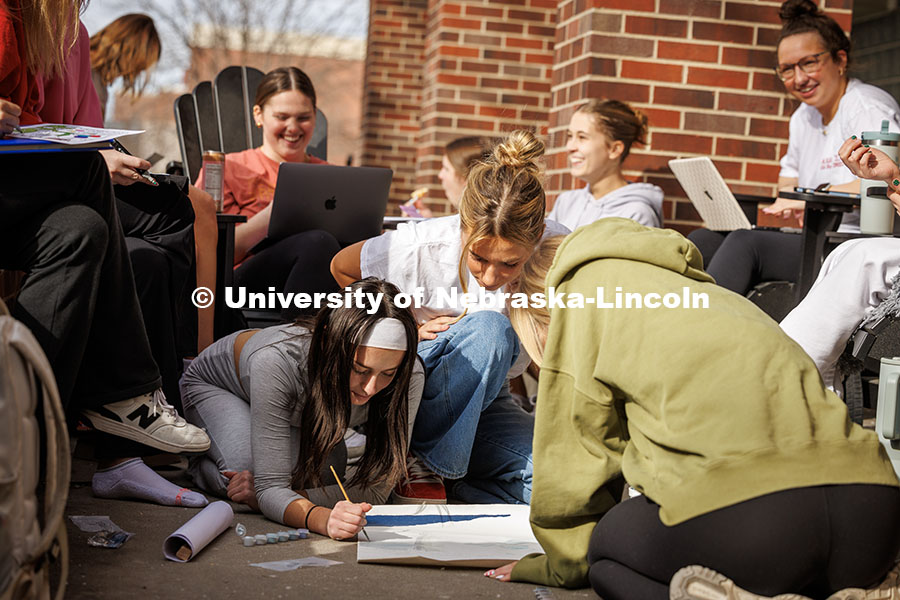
[
  {"x": 93, "y": 524},
  {"x": 296, "y": 563},
  {"x": 463, "y": 535},
  {"x": 70, "y": 134}
]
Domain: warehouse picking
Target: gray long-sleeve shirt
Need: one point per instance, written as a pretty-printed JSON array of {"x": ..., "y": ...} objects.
[{"x": 273, "y": 381}]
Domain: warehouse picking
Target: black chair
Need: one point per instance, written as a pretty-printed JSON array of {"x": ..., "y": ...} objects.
[{"x": 218, "y": 115}]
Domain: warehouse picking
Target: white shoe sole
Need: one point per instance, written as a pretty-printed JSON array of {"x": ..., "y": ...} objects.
[
  {"x": 700, "y": 583},
  {"x": 136, "y": 434}
]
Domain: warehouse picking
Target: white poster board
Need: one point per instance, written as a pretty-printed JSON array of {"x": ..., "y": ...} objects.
[{"x": 457, "y": 535}]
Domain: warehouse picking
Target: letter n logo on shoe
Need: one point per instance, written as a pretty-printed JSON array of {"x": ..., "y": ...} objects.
[{"x": 142, "y": 412}]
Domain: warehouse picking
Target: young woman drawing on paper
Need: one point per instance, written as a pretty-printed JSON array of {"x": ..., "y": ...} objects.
[
  {"x": 276, "y": 402},
  {"x": 469, "y": 431}
]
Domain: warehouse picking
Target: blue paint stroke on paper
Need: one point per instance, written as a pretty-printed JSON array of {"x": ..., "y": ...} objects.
[{"x": 411, "y": 520}]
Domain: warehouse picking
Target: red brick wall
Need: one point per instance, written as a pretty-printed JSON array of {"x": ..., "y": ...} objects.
[
  {"x": 700, "y": 70},
  {"x": 392, "y": 91},
  {"x": 488, "y": 66}
]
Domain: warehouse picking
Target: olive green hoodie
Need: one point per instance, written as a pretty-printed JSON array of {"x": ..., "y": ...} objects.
[{"x": 698, "y": 408}]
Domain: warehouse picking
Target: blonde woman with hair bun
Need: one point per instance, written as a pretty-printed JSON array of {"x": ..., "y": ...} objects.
[
  {"x": 470, "y": 432},
  {"x": 599, "y": 139}
]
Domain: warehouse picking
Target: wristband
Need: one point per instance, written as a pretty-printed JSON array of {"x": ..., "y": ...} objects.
[{"x": 309, "y": 512}]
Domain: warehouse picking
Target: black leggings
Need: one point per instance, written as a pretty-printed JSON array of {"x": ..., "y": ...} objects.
[
  {"x": 299, "y": 263},
  {"x": 812, "y": 541},
  {"x": 741, "y": 259}
]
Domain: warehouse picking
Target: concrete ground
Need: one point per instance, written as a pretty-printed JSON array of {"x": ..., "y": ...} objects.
[{"x": 138, "y": 570}]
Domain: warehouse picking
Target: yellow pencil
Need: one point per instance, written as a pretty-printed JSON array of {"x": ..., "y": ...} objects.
[{"x": 346, "y": 497}]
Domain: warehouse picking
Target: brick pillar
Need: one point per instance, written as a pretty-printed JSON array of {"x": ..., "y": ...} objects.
[
  {"x": 393, "y": 90},
  {"x": 488, "y": 65},
  {"x": 702, "y": 72}
]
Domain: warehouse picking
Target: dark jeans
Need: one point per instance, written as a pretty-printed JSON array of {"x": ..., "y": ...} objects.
[
  {"x": 59, "y": 224},
  {"x": 158, "y": 223},
  {"x": 299, "y": 263},
  {"x": 739, "y": 260},
  {"x": 812, "y": 541}
]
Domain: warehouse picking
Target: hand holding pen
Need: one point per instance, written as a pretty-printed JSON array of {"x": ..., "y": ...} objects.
[
  {"x": 9, "y": 117},
  {"x": 125, "y": 168}
]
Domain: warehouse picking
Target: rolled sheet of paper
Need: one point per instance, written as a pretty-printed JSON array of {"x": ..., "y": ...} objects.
[{"x": 193, "y": 536}]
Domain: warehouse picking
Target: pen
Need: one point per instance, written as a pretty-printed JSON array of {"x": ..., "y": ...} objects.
[
  {"x": 346, "y": 497},
  {"x": 119, "y": 147}
]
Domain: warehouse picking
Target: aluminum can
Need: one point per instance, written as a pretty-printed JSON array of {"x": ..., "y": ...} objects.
[{"x": 214, "y": 176}]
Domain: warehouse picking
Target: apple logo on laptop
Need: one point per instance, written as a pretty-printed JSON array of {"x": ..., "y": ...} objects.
[{"x": 331, "y": 203}]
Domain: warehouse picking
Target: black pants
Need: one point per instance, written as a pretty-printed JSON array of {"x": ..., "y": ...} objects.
[
  {"x": 59, "y": 224},
  {"x": 299, "y": 263},
  {"x": 739, "y": 260},
  {"x": 158, "y": 223},
  {"x": 812, "y": 541}
]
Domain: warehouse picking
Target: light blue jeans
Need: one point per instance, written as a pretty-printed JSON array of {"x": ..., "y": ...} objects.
[{"x": 469, "y": 429}]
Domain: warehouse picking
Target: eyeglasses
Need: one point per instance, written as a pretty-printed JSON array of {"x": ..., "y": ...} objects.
[{"x": 808, "y": 64}]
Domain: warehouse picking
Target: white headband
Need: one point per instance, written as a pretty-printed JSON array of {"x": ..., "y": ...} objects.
[{"x": 388, "y": 333}]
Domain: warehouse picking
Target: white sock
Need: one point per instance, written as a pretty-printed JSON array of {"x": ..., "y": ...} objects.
[{"x": 134, "y": 479}]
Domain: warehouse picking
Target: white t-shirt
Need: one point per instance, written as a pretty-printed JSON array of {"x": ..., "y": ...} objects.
[
  {"x": 812, "y": 154},
  {"x": 424, "y": 256}
]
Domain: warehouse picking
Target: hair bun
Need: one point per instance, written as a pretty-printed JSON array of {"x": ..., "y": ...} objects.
[
  {"x": 795, "y": 9},
  {"x": 519, "y": 150}
]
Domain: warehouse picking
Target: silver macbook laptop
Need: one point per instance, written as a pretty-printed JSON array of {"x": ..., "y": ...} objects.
[
  {"x": 709, "y": 194},
  {"x": 347, "y": 202}
]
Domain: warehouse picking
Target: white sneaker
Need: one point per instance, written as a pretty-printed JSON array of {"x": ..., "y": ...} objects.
[
  {"x": 150, "y": 420},
  {"x": 701, "y": 583}
]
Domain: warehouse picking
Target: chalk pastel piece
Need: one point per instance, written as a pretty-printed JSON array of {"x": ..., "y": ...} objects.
[
  {"x": 240, "y": 529},
  {"x": 197, "y": 533},
  {"x": 260, "y": 539},
  {"x": 271, "y": 538},
  {"x": 249, "y": 540},
  {"x": 283, "y": 536},
  {"x": 303, "y": 533}
]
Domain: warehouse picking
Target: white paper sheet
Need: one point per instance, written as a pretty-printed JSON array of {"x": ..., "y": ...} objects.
[
  {"x": 70, "y": 134},
  {"x": 462, "y": 535}
]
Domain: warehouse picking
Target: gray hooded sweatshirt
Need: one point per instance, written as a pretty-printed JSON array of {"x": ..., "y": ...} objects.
[{"x": 641, "y": 202}]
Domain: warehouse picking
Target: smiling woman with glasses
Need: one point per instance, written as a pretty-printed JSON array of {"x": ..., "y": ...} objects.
[
  {"x": 808, "y": 65},
  {"x": 812, "y": 59}
]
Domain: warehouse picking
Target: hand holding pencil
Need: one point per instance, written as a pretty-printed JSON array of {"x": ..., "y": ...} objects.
[{"x": 347, "y": 518}]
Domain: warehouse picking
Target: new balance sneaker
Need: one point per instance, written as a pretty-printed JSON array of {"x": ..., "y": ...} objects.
[
  {"x": 420, "y": 486},
  {"x": 700, "y": 583},
  {"x": 150, "y": 420}
]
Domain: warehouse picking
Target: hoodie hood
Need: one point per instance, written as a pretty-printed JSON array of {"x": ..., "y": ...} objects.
[
  {"x": 625, "y": 239},
  {"x": 641, "y": 193}
]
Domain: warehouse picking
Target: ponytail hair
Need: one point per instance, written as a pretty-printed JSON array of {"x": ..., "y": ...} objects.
[
  {"x": 504, "y": 196},
  {"x": 618, "y": 121}
]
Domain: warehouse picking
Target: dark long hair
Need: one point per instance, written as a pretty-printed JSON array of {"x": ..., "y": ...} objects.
[
  {"x": 802, "y": 16},
  {"x": 336, "y": 334}
]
